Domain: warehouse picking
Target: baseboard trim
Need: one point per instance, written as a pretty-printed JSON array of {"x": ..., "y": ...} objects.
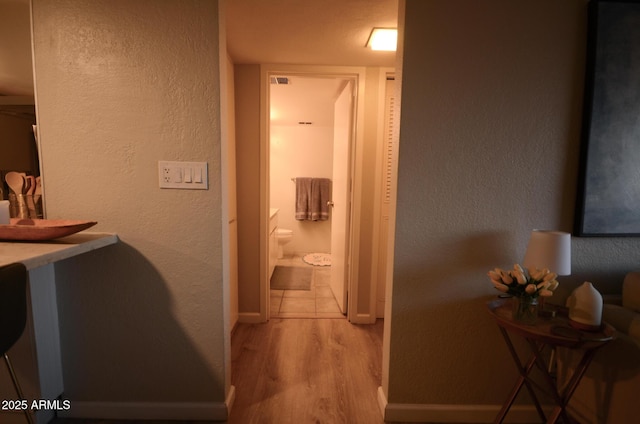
[
  {"x": 420, "y": 413},
  {"x": 197, "y": 411},
  {"x": 231, "y": 398},
  {"x": 250, "y": 318},
  {"x": 362, "y": 319},
  {"x": 382, "y": 401}
]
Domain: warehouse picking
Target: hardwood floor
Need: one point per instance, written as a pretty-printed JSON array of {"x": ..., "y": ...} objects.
[
  {"x": 306, "y": 371},
  {"x": 301, "y": 371},
  {"x": 99, "y": 421}
]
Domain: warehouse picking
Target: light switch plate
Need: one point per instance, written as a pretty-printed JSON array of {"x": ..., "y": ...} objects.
[{"x": 183, "y": 175}]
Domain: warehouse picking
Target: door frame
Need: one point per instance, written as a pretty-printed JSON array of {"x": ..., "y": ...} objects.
[
  {"x": 357, "y": 74},
  {"x": 379, "y": 255}
]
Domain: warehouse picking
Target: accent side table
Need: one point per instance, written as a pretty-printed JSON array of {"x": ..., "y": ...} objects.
[{"x": 546, "y": 332}]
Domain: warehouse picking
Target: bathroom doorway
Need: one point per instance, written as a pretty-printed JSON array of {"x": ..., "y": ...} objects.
[{"x": 311, "y": 134}]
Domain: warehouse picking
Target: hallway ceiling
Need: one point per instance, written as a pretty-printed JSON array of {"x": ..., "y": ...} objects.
[
  {"x": 318, "y": 32},
  {"x": 301, "y": 32}
]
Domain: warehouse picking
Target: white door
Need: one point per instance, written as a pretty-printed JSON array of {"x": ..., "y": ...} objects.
[{"x": 341, "y": 195}]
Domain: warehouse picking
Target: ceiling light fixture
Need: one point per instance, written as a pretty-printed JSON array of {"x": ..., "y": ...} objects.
[{"x": 383, "y": 39}]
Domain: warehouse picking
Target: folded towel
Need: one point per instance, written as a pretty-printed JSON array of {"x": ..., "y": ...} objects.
[
  {"x": 320, "y": 197},
  {"x": 303, "y": 198}
]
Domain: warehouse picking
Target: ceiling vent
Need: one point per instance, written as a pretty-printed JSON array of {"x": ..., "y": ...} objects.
[{"x": 280, "y": 80}]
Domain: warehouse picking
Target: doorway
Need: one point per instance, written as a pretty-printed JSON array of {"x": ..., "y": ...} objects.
[
  {"x": 310, "y": 139},
  {"x": 310, "y": 130}
]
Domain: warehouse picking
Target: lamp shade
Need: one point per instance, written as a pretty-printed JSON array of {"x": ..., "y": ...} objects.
[{"x": 549, "y": 249}]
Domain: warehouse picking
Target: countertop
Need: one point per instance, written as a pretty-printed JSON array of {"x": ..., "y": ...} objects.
[{"x": 36, "y": 254}]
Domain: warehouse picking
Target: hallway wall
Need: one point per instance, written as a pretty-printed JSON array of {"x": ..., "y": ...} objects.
[
  {"x": 489, "y": 149},
  {"x": 118, "y": 89}
]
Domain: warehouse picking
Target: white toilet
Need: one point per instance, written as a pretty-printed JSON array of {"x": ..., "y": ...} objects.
[{"x": 283, "y": 236}]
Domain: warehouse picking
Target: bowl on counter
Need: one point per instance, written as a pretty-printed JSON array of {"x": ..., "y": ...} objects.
[{"x": 21, "y": 229}]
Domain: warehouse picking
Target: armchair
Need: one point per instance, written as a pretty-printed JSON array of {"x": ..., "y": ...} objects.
[{"x": 608, "y": 392}]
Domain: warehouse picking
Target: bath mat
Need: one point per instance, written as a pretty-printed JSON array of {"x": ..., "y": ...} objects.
[
  {"x": 317, "y": 259},
  {"x": 291, "y": 278}
]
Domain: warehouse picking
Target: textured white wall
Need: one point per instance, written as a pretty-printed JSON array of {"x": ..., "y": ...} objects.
[
  {"x": 300, "y": 151},
  {"x": 121, "y": 85},
  {"x": 489, "y": 140}
]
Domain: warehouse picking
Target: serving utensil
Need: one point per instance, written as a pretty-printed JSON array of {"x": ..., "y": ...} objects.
[
  {"x": 29, "y": 189},
  {"x": 15, "y": 181},
  {"x": 30, "y": 184},
  {"x": 38, "y": 190}
]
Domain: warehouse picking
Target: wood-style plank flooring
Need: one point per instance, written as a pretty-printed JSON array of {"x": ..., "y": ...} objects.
[
  {"x": 100, "y": 421},
  {"x": 301, "y": 371},
  {"x": 306, "y": 371}
]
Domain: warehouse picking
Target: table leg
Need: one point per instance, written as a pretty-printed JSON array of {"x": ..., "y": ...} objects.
[
  {"x": 560, "y": 400},
  {"x": 524, "y": 372},
  {"x": 571, "y": 386}
]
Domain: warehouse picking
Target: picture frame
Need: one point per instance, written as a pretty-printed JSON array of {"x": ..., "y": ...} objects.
[{"x": 608, "y": 201}]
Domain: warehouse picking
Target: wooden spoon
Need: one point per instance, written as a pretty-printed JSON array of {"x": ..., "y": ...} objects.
[
  {"x": 27, "y": 185},
  {"x": 31, "y": 182},
  {"x": 38, "y": 191},
  {"x": 15, "y": 181},
  {"x": 29, "y": 189}
]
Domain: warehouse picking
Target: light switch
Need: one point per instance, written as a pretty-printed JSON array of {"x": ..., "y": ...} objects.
[
  {"x": 176, "y": 175},
  {"x": 183, "y": 175}
]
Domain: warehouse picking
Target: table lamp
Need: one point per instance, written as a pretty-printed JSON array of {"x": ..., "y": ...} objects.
[{"x": 549, "y": 249}]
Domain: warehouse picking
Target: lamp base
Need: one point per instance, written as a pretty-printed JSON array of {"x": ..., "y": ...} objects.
[{"x": 584, "y": 327}]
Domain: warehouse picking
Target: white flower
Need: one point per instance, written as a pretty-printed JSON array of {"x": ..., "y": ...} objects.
[
  {"x": 494, "y": 276},
  {"x": 543, "y": 285},
  {"x": 520, "y": 277},
  {"x": 530, "y": 283},
  {"x": 500, "y": 287},
  {"x": 538, "y": 274},
  {"x": 506, "y": 278},
  {"x": 545, "y": 293}
]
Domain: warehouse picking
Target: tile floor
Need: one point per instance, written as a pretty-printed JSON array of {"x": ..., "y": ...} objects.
[{"x": 318, "y": 302}]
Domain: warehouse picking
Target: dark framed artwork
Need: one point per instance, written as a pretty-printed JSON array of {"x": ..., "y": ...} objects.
[{"x": 609, "y": 184}]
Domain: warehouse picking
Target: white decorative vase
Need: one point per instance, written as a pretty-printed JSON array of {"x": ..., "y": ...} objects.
[{"x": 585, "y": 308}]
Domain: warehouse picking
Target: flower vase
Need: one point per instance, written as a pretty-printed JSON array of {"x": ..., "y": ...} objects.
[{"x": 524, "y": 309}]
